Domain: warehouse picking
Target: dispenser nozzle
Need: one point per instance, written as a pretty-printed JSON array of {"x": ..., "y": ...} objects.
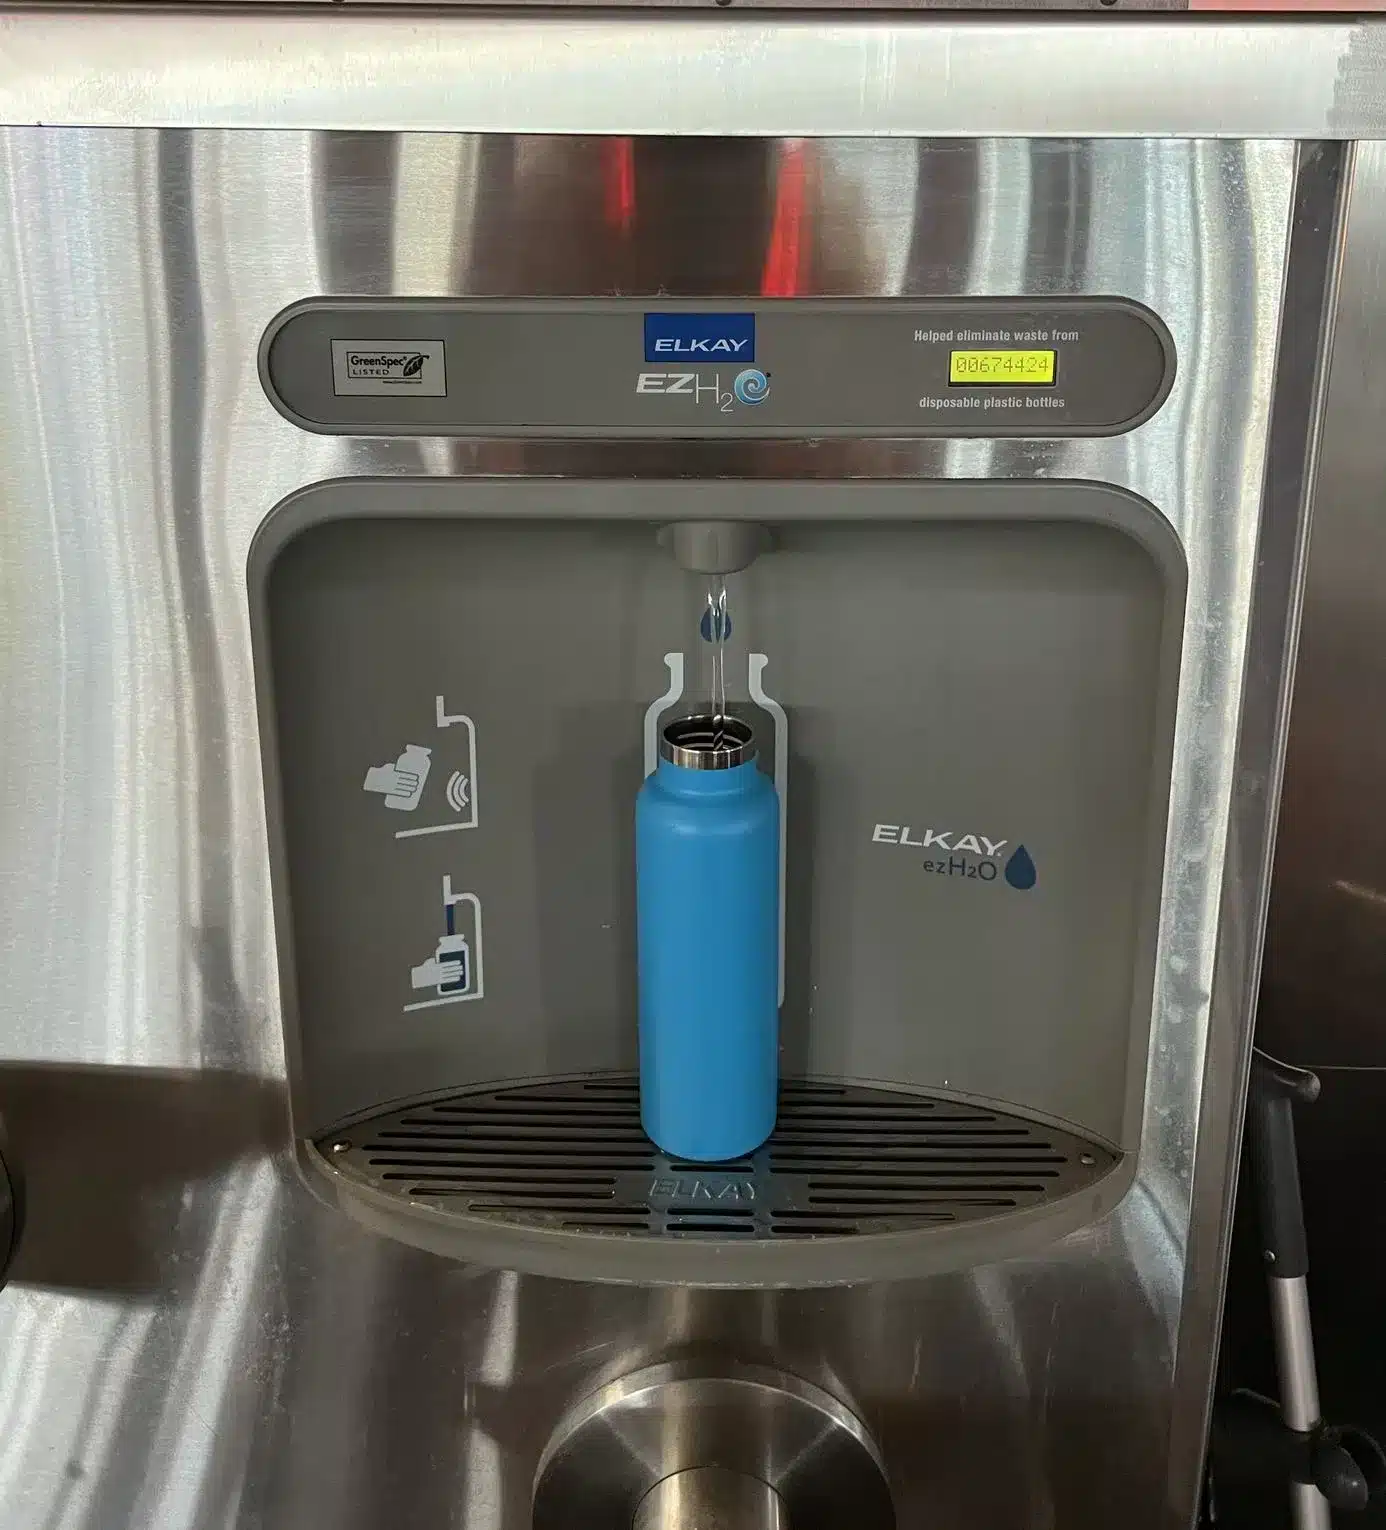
[{"x": 714, "y": 547}]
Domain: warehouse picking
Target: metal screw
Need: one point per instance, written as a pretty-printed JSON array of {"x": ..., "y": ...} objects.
[
  {"x": 1268, "y": 1255},
  {"x": 341, "y": 1145},
  {"x": 1087, "y": 1160}
]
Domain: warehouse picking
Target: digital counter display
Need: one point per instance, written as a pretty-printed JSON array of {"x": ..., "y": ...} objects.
[{"x": 1003, "y": 369}]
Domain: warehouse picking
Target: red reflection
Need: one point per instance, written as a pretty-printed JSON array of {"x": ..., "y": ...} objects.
[
  {"x": 618, "y": 183},
  {"x": 783, "y": 273}
]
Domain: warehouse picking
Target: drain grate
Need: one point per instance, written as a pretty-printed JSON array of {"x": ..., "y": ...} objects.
[{"x": 844, "y": 1160}]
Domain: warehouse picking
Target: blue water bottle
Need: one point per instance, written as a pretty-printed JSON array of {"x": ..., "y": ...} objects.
[{"x": 707, "y": 826}]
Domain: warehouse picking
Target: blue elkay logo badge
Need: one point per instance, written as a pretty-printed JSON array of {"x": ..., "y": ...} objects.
[{"x": 700, "y": 337}]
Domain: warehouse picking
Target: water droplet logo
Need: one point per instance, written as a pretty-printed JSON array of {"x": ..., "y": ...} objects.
[
  {"x": 1020, "y": 869},
  {"x": 751, "y": 386},
  {"x": 723, "y": 624}
]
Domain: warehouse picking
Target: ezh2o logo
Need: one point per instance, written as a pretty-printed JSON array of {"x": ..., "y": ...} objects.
[
  {"x": 698, "y": 339},
  {"x": 386, "y": 366},
  {"x": 972, "y": 857},
  {"x": 751, "y": 386}
]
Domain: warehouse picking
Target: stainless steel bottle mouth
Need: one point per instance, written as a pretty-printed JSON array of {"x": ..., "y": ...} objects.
[{"x": 707, "y": 743}]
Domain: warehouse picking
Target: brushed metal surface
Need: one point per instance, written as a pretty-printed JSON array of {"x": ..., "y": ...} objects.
[
  {"x": 1299, "y": 1387},
  {"x": 755, "y": 1447},
  {"x": 192, "y": 1340},
  {"x": 1294, "y": 1352},
  {"x": 1325, "y": 969},
  {"x": 711, "y": 1498},
  {"x": 579, "y": 71},
  {"x": 1310, "y": 300}
]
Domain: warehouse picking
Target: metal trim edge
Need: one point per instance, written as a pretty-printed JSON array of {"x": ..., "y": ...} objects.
[{"x": 743, "y": 75}]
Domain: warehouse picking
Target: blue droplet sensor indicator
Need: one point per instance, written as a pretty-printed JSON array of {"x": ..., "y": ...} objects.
[
  {"x": 722, "y": 630},
  {"x": 1020, "y": 869}
]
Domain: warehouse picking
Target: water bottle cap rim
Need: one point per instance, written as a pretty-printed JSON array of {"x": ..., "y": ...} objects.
[{"x": 702, "y": 742}]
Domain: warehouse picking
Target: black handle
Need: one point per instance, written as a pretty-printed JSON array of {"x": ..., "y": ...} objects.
[
  {"x": 1271, "y": 1075},
  {"x": 1337, "y": 1477},
  {"x": 1275, "y": 1087},
  {"x": 1252, "y": 1447},
  {"x": 1347, "y": 1466}
]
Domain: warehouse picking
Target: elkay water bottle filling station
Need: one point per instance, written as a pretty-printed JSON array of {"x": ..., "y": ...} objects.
[
  {"x": 687, "y": 768},
  {"x": 705, "y": 709}
]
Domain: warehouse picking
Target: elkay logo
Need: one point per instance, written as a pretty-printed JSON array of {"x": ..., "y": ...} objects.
[
  {"x": 700, "y": 337},
  {"x": 970, "y": 856}
]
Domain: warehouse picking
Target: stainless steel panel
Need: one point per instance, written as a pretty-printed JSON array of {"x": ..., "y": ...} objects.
[
  {"x": 1325, "y": 964},
  {"x": 635, "y": 1452},
  {"x": 1325, "y": 973},
  {"x": 1307, "y": 326},
  {"x": 194, "y": 1341},
  {"x": 723, "y": 72}
]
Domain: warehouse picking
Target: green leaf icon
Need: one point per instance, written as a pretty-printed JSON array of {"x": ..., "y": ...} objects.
[{"x": 413, "y": 366}]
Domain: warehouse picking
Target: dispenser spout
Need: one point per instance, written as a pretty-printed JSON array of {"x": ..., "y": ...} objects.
[{"x": 715, "y": 547}]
